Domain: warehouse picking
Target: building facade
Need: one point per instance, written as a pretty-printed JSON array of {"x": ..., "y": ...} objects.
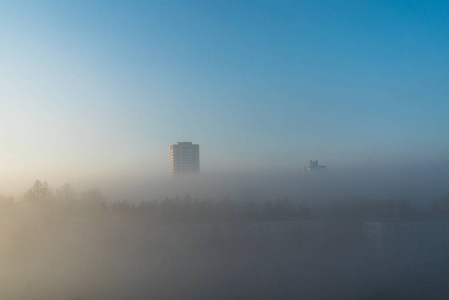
[{"x": 184, "y": 157}]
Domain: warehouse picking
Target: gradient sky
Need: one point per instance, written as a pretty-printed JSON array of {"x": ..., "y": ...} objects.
[{"x": 89, "y": 88}]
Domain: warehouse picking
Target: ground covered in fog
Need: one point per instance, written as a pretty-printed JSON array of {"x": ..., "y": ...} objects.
[{"x": 53, "y": 247}]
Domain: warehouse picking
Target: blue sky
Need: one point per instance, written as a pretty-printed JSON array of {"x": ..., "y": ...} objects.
[{"x": 96, "y": 87}]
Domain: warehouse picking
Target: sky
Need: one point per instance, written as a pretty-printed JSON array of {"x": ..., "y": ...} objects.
[{"x": 97, "y": 88}]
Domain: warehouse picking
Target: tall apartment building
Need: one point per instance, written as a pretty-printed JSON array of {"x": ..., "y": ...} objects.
[{"x": 184, "y": 157}]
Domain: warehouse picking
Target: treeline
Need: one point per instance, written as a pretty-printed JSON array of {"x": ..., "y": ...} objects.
[
  {"x": 188, "y": 210},
  {"x": 178, "y": 210},
  {"x": 368, "y": 209},
  {"x": 388, "y": 210}
]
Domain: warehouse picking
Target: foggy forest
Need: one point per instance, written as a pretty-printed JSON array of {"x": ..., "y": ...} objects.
[{"x": 63, "y": 244}]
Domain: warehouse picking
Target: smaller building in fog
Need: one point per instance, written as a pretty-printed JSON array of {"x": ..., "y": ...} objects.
[{"x": 314, "y": 167}]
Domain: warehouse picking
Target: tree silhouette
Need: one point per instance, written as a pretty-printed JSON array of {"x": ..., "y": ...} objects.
[
  {"x": 250, "y": 214},
  {"x": 65, "y": 192},
  {"x": 224, "y": 210},
  {"x": 39, "y": 192},
  {"x": 441, "y": 207},
  {"x": 303, "y": 211}
]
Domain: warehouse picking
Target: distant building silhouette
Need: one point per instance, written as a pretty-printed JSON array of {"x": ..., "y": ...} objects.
[
  {"x": 184, "y": 157},
  {"x": 314, "y": 167}
]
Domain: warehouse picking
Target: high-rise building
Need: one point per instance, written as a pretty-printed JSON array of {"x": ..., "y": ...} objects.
[{"x": 184, "y": 158}]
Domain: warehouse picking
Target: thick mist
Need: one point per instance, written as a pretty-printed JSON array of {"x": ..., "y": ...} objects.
[
  {"x": 277, "y": 235},
  {"x": 419, "y": 184}
]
